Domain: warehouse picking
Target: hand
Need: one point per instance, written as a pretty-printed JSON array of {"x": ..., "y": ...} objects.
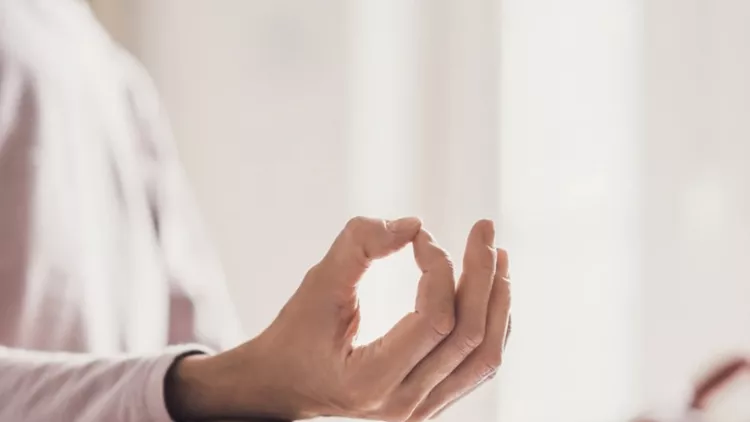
[{"x": 304, "y": 365}]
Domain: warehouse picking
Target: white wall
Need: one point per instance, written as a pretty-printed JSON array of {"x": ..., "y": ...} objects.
[
  {"x": 258, "y": 96},
  {"x": 696, "y": 302},
  {"x": 608, "y": 137},
  {"x": 570, "y": 145}
]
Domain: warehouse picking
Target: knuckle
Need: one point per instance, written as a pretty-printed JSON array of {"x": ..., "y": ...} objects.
[
  {"x": 488, "y": 372},
  {"x": 483, "y": 371},
  {"x": 443, "y": 261},
  {"x": 356, "y": 234},
  {"x": 495, "y": 358},
  {"x": 474, "y": 335},
  {"x": 470, "y": 339},
  {"x": 490, "y": 364},
  {"x": 362, "y": 401},
  {"x": 402, "y": 405},
  {"x": 437, "y": 260},
  {"x": 371, "y": 406},
  {"x": 355, "y": 225},
  {"x": 442, "y": 323},
  {"x": 313, "y": 273}
]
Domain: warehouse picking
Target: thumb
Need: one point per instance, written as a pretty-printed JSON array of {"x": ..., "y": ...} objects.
[{"x": 362, "y": 241}]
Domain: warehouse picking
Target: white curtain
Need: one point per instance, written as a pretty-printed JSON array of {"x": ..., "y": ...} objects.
[{"x": 608, "y": 138}]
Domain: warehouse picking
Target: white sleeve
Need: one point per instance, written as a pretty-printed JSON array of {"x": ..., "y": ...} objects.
[{"x": 49, "y": 387}]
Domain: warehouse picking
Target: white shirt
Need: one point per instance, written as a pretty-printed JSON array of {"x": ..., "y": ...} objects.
[{"x": 101, "y": 248}]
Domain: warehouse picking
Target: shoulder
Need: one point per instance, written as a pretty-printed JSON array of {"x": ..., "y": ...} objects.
[
  {"x": 59, "y": 52},
  {"x": 47, "y": 49},
  {"x": 45, "y": 41},
  {"x": 60, "y": 43}
]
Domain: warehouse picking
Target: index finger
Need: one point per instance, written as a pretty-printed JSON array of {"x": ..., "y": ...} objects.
[
  {"x": 390, "y": 359},
  {"x": 362, "y": 241}
]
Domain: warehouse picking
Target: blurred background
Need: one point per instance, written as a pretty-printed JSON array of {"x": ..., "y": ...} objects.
[{"x": 609, "y": 139}]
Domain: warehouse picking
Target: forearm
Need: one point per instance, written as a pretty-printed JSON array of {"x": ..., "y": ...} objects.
[{"x": 208, "y": 388}]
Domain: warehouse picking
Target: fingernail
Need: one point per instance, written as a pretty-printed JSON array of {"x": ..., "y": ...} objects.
[{"x": 404, "y": 224}]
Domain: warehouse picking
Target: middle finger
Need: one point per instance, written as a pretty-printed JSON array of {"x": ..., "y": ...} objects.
[
  {"x": 472, "y": 299},
  {"x": 485, "y": 360}
]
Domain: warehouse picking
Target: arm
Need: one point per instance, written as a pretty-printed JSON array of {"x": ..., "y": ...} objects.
[
  {"x": 304, "y": 365},
  {"x": 37, "y": 386}
]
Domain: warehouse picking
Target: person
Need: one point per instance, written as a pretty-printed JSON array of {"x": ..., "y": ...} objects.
[{"x": 112, "y": 306}]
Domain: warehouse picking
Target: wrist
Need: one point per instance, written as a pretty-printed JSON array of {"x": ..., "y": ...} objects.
[
  {"x": 186, "y": 386},
  {"x": 240, "y": 384}
]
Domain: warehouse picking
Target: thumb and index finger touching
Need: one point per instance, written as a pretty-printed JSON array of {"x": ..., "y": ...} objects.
[
  {"x": 395, "y": 354},
  {"x": 362, "y": 241},
  {"x": 366, "y": 239}
]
